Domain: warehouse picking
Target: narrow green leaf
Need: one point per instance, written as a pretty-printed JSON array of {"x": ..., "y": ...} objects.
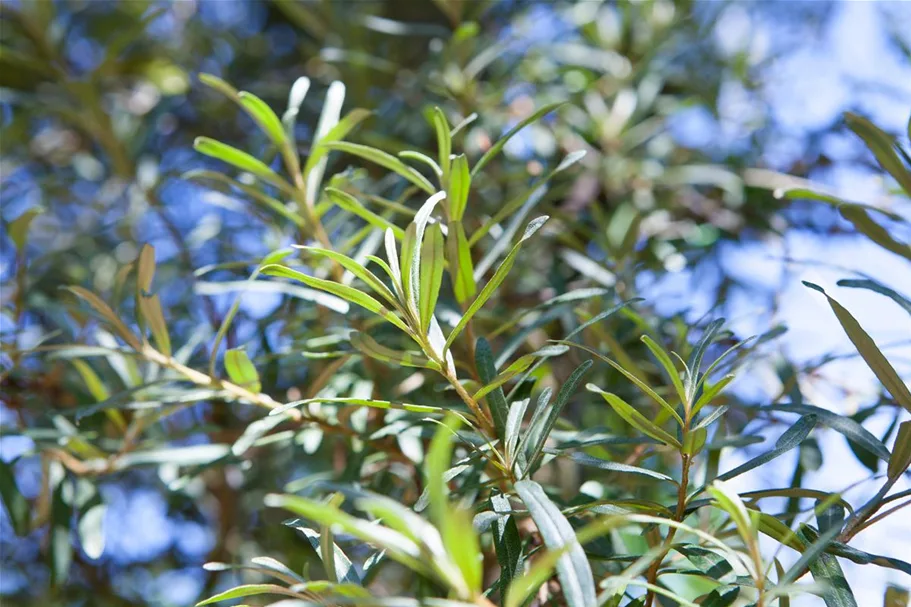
[
  {"x": 542, "y": 424},
  {"x": 397, "y": 545},
  {"x": 502, "y": 141},
  {"x": 409, "y": 250},
  {"x": 901, "y": 452},
  {"x": 495, "y": 281},
  {"x": 461, "y": 267},
  {"x": 241, "y": 370},
  {"x": 247, "y": 590},
  {"x": 351, "y": 204},
  {"x": 384, "y": 160},
  {"x": 368, "y": 277},
  {"x": 507, "y": 543},
  {"x": 60, "y": 536},
  {"x": 728, "y": 500},
  {"x": 708, "y": 419},
  {"x": 694, "y": 364},
  {"x": 825, "y": 570},
  {"x": 344, "y": 569},
  {"x": 668, "y": 408},
  {"x": 91, "y": 529},
  {"x": 860, "y": 218},
  {"x": 842, "y": 424},
  {"x": 707, "y": 561},
  {"x": 791, "y": 438},
  {"x": 710, "y": 392},
  {"x": 423, "y": 159},
  {"x": 634, "y": 418},
  {"x": 150, "y": 307},
  {"x": 723, "y": 596},
  {"x": 573, "y": 569},
  {"x": 659, "y": 353},
  {"x": 370, "y": 347},
  {"x": 883, "y": 146},
  {"x": 343, "y": 291},
  {"x": 18, "y": 228},
  {"x": 459, "y": 187},
  {"x": 337, "y": 133},
  {"x": 527, "y": 199},
  {"x": 499, "y": 408},
  {"x": 584, "y": 459},
  {"x": 518, "y": 366},
  {"x": 362, "y": 402},
  {"x": 444, "y": 141},
  {"x": 872, "y": 285},
  {"x": 214, "y": 82},
  {"x": 225, "y": 184},
  {"x": 412, "y": 247},
  {"x": 194, "y": 455},
  {"x": 102, "y": 308},
  {"x": 514, "y": 428},
  {"x": 238, "y": 159},
  {"x": 265, "y": 117},
  {"x": 431, "y": 273},
  {"x": 94, "y": 384},
  {"x": 870, "y": 353},
  {"x": 459, "y": 540},
  {"x": 16, "y": 505}
]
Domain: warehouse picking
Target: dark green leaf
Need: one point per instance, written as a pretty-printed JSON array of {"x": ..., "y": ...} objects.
[
  {"x": 825, "y": 570},
  {"x": 870, "y": 353},
  {"x": 864, "y": 224},
  {"x": 846, "y": 426},
  {"x": 791, "y": 438},
  {"x": 546, "y": 417},
  {"x": 594, "y": 462},
  {"x": 872, "y": 285},
  {"x": 507, "y": 542},
  {"x": 499, "y": 409},
  {"x": 16, "y": 505}
]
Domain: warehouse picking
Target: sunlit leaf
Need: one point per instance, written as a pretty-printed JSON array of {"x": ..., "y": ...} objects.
[
  {"x": 634, "y": 418},
  {"x": 573, "y": 568},
  {"x": 901, "y": 451},
  {"x": 343, "y": 291},
  {"x": 461, "y": 266},
  {"x": 384, "y": 160},
  {"x": 495, "y": 281},
  {"x": 431, "y": 274},
  {"x": 241, "y": 370},
  {"x": 237, "y": 158}
]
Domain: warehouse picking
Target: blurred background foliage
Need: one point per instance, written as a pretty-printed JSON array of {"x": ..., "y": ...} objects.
[{"x": 678, "y": 104}]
